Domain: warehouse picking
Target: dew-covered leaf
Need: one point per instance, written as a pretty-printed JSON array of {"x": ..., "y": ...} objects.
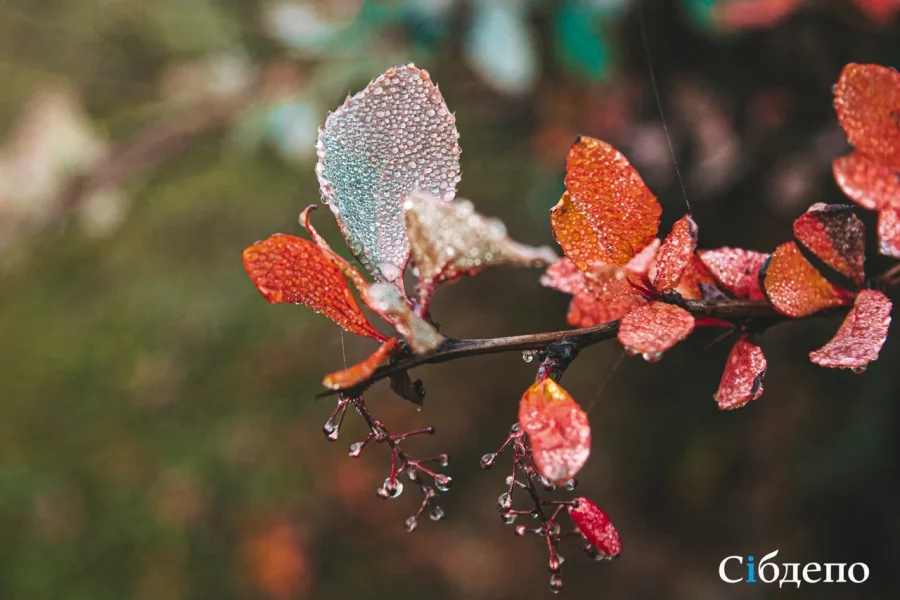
[
  {"x": 652, "y": 329},
  {"x": 595, "y": 526},
  {"x": 697, "y": 283},
  {"x": 564, "y": 275},
  {"x": 889, "y": 232},
  {"x": 384, "y": 299},
  {"x": 346, "y": 378},
  {"x": 290, "y": 270},
  {"x": 395, "y": 136},
  {"x": 861, "y": 335},
  {"x": 867, "y": 100},
  {"x": 450, "y": 240},
  {"x": 836, "y": 236},
  {"x": 575, "y": 235},
  {"x": 870, "y": 183},
  {"x": 795, "y": 287},
  {"x": 600, "y": 295},
  {"x": 557, "y": 429},
  {"x": 742, "y": 380},
  {"x": 607, "y": 191},
  {"x": 736, "y": 270},
  {"x": 675, "y": 253}
]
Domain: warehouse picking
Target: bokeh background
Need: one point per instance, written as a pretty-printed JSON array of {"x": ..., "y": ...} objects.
[{"x": 159, "y": 436}]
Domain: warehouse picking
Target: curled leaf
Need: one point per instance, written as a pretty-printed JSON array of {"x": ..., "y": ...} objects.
[
  {"x": 384, "y": 299},
  {"x": 652, "y": 329},
  {"x": 290, "y": 270},
  {"x": 794, "y": 287},
  {"x": 742, "y": 380},
  {"x": 595, "y": 526},
  {"x": 736, "y": 270},
  {"x": 861, "y": 335},
  {"x": 889, "y": 232},
  {"x": 615, "y": 202},
  {"x": 557, "y": 429},
  {"x": 450, "y": 240},
  {"x": 835, "y": 235},
  {"x": 867, "y": 100},
  {"x": 675, "y": 253},
  {"x": 870, "y": 183},
  {"x": 395, "y": 136},
  {"x": 347, "y": 378}
]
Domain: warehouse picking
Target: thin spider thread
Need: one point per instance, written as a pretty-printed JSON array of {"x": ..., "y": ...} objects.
[{"x": 605, "y": 382}]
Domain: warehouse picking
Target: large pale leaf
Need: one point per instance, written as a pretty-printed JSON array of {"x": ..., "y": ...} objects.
[{"x": 395, "y": 136}]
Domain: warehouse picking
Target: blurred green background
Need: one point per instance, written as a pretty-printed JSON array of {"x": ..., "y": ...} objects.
[{"x": 159, "y": 436}]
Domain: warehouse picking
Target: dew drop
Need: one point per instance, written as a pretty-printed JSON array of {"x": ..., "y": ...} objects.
[
  {"x": 571, "y": 484},
  {"x": 631, "y": 351},
  {"x": 514, "y": 428},
  {"x": 487, "y": 461},
  {"x": 390, "y": 489},
  {"x": 546, "y": 484},
  {"x": 528, "y": 355},
  {"x": 554, "y": 563},
  {"x": 411, "y": 524},
  {"x": 442, "y": 482},
  {"x": 652, "y": 357},
  {"x": 521, "y": 530},
  {"x": 356, "y": 449},
  {"x": 859, "y": 370},
  {"x": 436, "y": 514},
  {"x": 508, "y": 518},
  {"x": 504, "y": 502},
  {"x": 556, "y": 583}
]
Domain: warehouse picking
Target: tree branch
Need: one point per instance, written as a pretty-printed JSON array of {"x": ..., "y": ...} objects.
[{"x": 737, "y": 312}]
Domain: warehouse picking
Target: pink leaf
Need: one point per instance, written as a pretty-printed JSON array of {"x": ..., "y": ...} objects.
[
  {"x": 736, "y": 270},
  {"x": 861, "y": 335},
  {"x": 742, "y": 380},
  {"x": 595, "y": 526},
  {"x": 889, "y": 232},
  {"x": 675, "y": 253},
  {"x": 653, "y": 328}
]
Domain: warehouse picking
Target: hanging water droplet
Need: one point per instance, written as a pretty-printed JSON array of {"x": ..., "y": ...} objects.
[
  {"x": 329, "y": 429},
  {"x": 546, "y": 483},
  {"x": 411, "y": 524},
  {"x": 442, "y": 482},
  {"x": 556, "y": 583},
  {"x": 443, "y": 459},
  {"x": 487, "y": 461},
  {"x": 508, "y": 518},
  {"x": 390, "y": 489},
  {"x": 554, "y": 563},
  {"x": 514, "y": 428},
  {"x": 652, "y": 357},
  {"x": 528, "y": 355},
  {"x": 436, "y": 514},
  {"x": 504, "y": 502},
  {"x": 631, "y": 351},
  {"x": 356, "y": 449},
  {"x": 521, "y": 530},
  {"x": 571, "y": 484},
  {"x": 859, "y": 370}
]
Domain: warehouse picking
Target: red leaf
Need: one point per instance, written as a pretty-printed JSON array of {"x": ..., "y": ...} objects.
[
  {"x": 697, "y": 282},
  {"x": 867, "y": 100},
  {"x": 736, "y": 270},
  {"x": 595, "y": 526},
  {"x": 795, "y": 288},
  {"x": 880, "y": 11},
  {"x": 600, "y": 296},
  {"x": 753, "y": 14},
  {"x": 290, "y": 270},
  {"x": 742, "y": 380},
  {"x": 557, "y": 429},
  {"x": 340, "y": 380},
  {"x": 675, "y": 253},
  {"x": 653, "y": 328},
  {"x": 837, "y": 236},
  {"x": 870, "y": 183},
  {"x": 612, "y": 199},
  {"x": 587, "y": 311},
  {"x": 889, "y": 232},
  {"x": 574, "y": 234},
  {"x": 563, "y": 275},
  {"x": 861, "y": 335}
]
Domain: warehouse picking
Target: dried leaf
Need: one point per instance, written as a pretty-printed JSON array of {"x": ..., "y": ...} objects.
[
  {"x": 867, "y": 100},
  {"x": 450, "y": 240},
  {"x": 340, "y": 380},
  {"x": 889, "y": 232},
  {"x": 595, "y": 526},
  {"x": 834, "y": 234},
  {"x": 652, "y": 329},
  {"x": 290, "y": 270},
  {"x": 557, "y": 429},
  {"x": 742, "y": 380},
  {"x": 736, "y": 270},
  {"x": 794, "y": 287},
  {"x": 613, "y": 199},
  {"x": 408, "y": 388},
  {"x": 871, "y": 184},
  {"x": 675, "y": 253},
  {"x": 384, "y": 299},
  {"x": 395, "y": 136},
  {"x": 861, "y": 335}
]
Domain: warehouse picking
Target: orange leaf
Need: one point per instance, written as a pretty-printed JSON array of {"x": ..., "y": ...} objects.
[
  {"x": 600, "y": 296},
  {"x": 742, "y": 380},
  {"x": 861, "y": 335},
  {"x": 834, "y": 234},
  {"x": 736, "y": 270},
  {"x": 652, "y": 329},
  {"x": 794, "y": 287},
  {"x": 557, "y": 429},
  {"x": 564, "y": 275},
  {"x": 341, "y": 380},
  {"x": 574, "y": 234},
  {"x": 871, "y": 184},
  {"x": 697, "y": 282},
  {"x": 612, "y": 198},
  {"x": 889, "y": 232},
  {"x": 290, "y": 270},
  {"x": 867, "y": 100},
  {"x": 675, "y": 253}
]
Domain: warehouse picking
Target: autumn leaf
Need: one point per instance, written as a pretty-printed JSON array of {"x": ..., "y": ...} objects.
[
  {"x": 889, "y": 232},
  {"x": 836, "y": 236},
  {"x": 871, "y": 184},
  {"x": 794, "y": 286},
  {"x": 675, "y": 253},
  {"x": 861, "y": 335},
  {"x": 595, "y": 526},
  {"x": 742, "y": 380},
  {"x": 395, "y": 136},
  {"x": 736, "y": 270},
  {"x": 880, "y": 11},
  {"x": 290, "y": 270},
  {"x": 347, "y": 378},
  {"x": 653, "y": 328},
  {"x": 697, "y": 282},
  {"x": 450, "y": 240},
  {"x": 557, "y": 428},
  {"x": 867, "y": 101}
]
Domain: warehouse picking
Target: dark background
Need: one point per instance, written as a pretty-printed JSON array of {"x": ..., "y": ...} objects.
[{"x": 158, "y": 432}]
